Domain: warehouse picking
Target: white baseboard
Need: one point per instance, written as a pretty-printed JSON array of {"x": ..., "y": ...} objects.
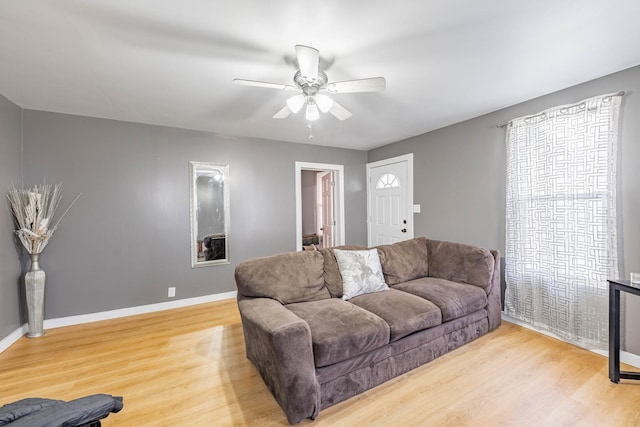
[
  {"x": 625, "y": 357},
  {"x": 114, "y": 314},
  {"x": 14, "y": 336}
]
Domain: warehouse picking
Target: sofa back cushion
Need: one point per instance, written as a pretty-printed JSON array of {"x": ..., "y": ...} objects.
[
  {"x": 459, "y": 262},
  {"x": 404, "y": 261},
  {"x": 288, "y": 277},
  {"x": 332, "y": 276}
]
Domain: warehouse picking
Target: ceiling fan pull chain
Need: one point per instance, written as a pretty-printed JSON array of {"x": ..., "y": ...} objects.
[{"x": 310, "y": 131}]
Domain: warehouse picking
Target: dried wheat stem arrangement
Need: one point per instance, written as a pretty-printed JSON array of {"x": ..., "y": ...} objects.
[{"x": 33, "y": 209}]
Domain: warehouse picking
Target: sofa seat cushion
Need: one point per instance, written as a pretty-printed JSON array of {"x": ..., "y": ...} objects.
[
  {"x": 452, "y": 298},
  {"x": 404, "y": 313},
  {"x": 340, "y": 330}
]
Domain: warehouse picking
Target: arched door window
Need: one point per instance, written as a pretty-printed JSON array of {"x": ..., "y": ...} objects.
[{"x": 388, "y": 180}]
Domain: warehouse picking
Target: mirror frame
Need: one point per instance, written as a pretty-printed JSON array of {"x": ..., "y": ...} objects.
[{"x": 194, "y": 169}]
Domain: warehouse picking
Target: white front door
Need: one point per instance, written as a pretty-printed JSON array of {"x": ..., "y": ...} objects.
[
  {"x": 328, "y": 184},
  {"x": 390, "y": 200}
]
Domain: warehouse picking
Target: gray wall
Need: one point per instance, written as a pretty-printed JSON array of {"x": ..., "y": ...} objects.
[
  {"x": 459, "y": 175},
  {"x": 127, "y": 238},
  {"x": 10, "y": 250}
]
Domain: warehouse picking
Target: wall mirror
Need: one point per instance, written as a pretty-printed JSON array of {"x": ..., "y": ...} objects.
[{"x": 209, "y": 214}]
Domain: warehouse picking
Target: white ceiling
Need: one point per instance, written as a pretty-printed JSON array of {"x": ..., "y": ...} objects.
[{"x": 172, "y": 63}]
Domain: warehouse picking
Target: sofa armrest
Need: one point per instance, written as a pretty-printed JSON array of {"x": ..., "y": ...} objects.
[{"x": 279, "y": 344}]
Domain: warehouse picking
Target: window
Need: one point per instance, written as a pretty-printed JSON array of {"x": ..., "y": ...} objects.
[
  {"x": 387, "y": 180},
  {"x": 561, "y": 219}
]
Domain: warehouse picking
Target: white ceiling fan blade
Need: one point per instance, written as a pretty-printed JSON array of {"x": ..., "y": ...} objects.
[
  {"x": 267, "y": 85},
  {"x": 324, "y": 102},
  {"x": 339, "y": 111},
  {"x": 372, "y": 84},
  {"x": 308, "y": 61},
  {"x": 283, "y": 113},
  {"x": 295, "y": 103}
]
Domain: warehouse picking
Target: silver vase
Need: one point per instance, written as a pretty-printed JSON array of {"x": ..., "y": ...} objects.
[{"x": 34, "y": 283}]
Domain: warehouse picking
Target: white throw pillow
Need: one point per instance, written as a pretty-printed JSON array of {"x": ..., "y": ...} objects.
[{"x": 361, "y": 272}]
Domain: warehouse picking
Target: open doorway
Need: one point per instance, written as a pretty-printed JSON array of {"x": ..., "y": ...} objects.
[{"x": 319, "y": 205}]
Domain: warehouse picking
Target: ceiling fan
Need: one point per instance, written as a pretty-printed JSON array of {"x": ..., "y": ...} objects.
[{"x": 312, "y": 85}]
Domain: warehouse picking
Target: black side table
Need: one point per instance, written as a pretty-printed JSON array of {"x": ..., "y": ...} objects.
[{"x": 615, "y": 287}]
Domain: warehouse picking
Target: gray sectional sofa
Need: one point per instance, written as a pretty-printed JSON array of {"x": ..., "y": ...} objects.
[{"x": 314, "y": 349}]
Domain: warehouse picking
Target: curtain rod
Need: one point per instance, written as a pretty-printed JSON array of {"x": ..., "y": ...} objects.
[{"x": 621, "y": 93}]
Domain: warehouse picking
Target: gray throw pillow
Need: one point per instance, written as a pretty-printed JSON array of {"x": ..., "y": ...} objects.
[{"x": 361, "y": 272}]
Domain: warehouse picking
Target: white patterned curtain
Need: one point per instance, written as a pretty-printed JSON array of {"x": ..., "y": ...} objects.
[{"x": 561, "y": 219}]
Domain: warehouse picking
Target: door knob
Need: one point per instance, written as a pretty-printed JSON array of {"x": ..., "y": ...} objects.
[
  {"x": 404, "y": 230},
  {"x": 404, "y": 221}
]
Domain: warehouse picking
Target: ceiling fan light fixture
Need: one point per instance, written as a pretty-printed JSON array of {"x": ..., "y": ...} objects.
[
  {"x": 324, "y": 102},
  {"x": 295, "y": 103},
  {"x": 312, "y": 111}
]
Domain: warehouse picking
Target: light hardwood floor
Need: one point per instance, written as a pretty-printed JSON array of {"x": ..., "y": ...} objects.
[{"x": 186, "y": 367}]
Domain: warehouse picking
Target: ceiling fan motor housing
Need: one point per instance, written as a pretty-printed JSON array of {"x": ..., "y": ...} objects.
[{"x": 310, "y": 88}]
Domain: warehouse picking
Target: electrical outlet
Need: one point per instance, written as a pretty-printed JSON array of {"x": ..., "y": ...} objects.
[{"x": 172, "y": 292}]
